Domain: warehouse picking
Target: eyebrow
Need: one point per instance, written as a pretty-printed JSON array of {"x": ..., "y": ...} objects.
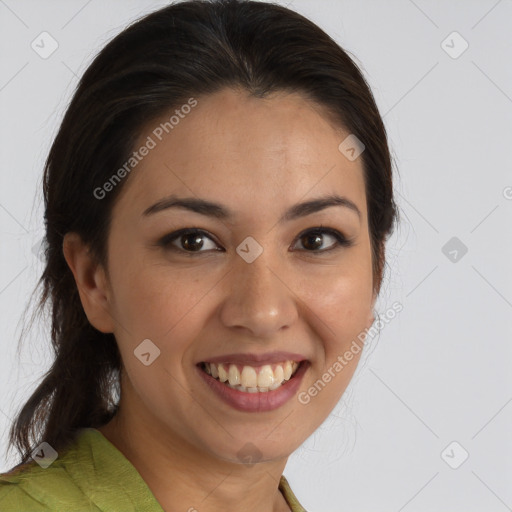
[{"x": 221, "y": 212}]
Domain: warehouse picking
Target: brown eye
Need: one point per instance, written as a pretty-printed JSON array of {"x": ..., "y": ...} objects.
[
  {"x": 314, "y": 239},
  {"x": 189, "y": 241},
  {"x": 192, "y": 242}
]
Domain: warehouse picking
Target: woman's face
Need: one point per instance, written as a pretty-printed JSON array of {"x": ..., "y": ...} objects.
[{"x": 256, "y": 286}]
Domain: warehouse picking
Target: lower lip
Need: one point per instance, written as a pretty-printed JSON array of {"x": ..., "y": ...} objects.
[{"x": 260, "y": 401}]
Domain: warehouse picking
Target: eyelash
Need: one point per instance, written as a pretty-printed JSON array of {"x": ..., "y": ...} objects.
[{"x": 341, "y": 240}]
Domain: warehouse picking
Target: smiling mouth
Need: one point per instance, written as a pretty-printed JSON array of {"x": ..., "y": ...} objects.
[{"x": 252, "y": 379}]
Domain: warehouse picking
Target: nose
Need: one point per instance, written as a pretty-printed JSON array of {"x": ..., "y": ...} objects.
[{"x": 259, "y": 298}]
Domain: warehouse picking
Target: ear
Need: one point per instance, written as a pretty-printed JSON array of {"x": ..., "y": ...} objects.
[{"x": 91, "y": 282}]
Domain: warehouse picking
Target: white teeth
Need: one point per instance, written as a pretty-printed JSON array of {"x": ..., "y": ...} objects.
[
  {"x": 223, "y": 375},
  {"x": 265, "y": 377},
  {"x": 278, "y": 374},
  {"x": 250, "y": 379},
  {"x": 233, "y": 375},
  {"x": 287, "y": 370},
  {"x": 275, "y": 385}
]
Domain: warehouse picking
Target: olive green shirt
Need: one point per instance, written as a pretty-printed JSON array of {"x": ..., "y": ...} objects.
[{"x": 91, "y": 475}]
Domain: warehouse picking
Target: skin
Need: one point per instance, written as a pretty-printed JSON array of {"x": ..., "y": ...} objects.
[{"x": 258, "y": 157}]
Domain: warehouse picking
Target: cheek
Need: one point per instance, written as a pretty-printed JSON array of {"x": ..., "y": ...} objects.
[
  {"x": 160, "y": 303},
  {"x": 338, "y": 309},
  {"x": 338, "y": 314},
  {"x": 341, "y": 299}
]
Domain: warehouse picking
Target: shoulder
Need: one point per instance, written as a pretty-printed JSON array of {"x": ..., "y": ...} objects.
[
  {"x": 34, "y": 487},
  {"x": 12, "y": 496},
  {"x": 29, "y": 489},
  {"x": 90, "y": 475}
]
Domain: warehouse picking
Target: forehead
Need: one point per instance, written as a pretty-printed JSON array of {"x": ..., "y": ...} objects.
[{"x": 249, "y": 152}]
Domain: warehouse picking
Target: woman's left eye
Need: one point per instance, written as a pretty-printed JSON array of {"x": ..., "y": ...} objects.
[{"x": 314, "y": 239}]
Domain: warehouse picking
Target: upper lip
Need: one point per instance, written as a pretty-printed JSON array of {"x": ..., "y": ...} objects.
[{"x": 251, "y": 358}]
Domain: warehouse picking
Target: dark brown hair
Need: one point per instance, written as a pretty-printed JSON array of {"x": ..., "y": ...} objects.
[{"x": 187, "y": 49}]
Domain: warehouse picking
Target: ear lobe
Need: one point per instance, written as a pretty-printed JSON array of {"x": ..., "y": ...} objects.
[{"x": 90, "y": 280}]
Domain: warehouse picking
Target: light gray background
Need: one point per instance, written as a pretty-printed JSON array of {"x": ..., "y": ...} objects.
[{"x": 440, "y": 371}]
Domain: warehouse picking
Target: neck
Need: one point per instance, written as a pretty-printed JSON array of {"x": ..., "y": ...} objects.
[{"x": 184, "y": 477}]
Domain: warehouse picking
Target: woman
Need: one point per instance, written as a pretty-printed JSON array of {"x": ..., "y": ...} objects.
[{"x": 218, "y": 199}]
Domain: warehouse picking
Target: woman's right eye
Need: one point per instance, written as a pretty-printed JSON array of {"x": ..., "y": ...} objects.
[{"x": 188, "y": 241}]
